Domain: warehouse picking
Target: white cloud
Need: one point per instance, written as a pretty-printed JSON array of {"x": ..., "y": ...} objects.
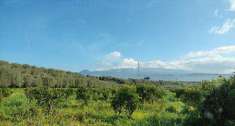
[
  {"x": 113, "y": 55},
  {"x": 211, "y": 53},
  {"x": 110, "y": 60},
  {"x": 217, "y": 60},
  {"x": 232, "y": 5},
  {"x": 226, "y": 27},
  {"x": 128, "y": 63},
  {"x": 177, "y": 64}
]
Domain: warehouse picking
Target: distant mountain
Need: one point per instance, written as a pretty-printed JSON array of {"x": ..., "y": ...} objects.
[{"x": 155, "y": 74}]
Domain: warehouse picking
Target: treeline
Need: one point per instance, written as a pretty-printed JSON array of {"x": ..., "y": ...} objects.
[{"x": 16, "y": 75}]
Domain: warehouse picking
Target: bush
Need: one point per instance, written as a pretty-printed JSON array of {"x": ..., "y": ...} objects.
[
  {"x": 47, "y": 97},
  {"x": 125, "y": 100},
  {"x": 83, "y": 93},
  {"x": 192, "y": 96},
  {"x": 218, "y": 107},
  {"x": 4, "y": 92},
  {"x": 149, "y": 92}
]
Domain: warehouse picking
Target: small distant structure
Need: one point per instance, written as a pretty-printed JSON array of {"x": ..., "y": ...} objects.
[
  {"x": 146, "y": 78},
  {"x": 138, "y": 72},
  {"x": 220, "y": 76}
]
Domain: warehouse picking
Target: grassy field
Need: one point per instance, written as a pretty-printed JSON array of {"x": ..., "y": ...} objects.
[{"x": 17, "y": 109}]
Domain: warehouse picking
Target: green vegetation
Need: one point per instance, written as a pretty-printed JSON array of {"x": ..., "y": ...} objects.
[
  {"x": 31, "y": 96},
  {"x": 126, "y": 100}
]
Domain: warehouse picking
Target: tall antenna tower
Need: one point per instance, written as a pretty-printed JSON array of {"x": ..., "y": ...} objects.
[{"x": 138, "y": 68}]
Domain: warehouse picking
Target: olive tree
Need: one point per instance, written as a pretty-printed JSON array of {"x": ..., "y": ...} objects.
[
  {"x": 125, "y": 101},
  {"x": 47, "y": 97},
  {"x": 149, "y": 93},
  {"x": 83, "y": 93}
]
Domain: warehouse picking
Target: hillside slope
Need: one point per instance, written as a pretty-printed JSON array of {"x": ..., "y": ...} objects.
[{"x": 17, "y": 75}]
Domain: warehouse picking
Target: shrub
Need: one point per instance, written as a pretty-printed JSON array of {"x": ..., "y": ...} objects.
[
  {"x": 218, "y": 107},
  {"x": 192, "y": 96},
  {"x": 4, "y": 92},
  {"x": 83, "y": 93},
  {"x": 47, "y": 97},
  {"x": 125, "y": 100},
  {"x": 149, "y": 92}
]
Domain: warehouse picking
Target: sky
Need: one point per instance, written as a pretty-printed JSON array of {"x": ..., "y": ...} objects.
[{"x": 195, "y": 35}]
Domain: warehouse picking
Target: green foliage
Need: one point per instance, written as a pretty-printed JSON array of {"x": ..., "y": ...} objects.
[
  {"x": 4, "y": 92},
  {"x": 117, "y": 80},
  {"x": 47, "y": 97},
  {"x": 17, "y": 107},
  {"x": 193, "y": 118},
  {"x": 149, "y": 93},
  {"x": 23, "y": 76},
  {"x": 83, "y": 93},
  {"x": 229, "y": 105},
  {"x": 166, "y": 119},
  {"x": 218, "y": 107},
  {"x": 125, "y": 100},
  {"x": 191, "y": 95},
  {"x": 175, "y": 107},
  {"x": 207, "y": 86}
]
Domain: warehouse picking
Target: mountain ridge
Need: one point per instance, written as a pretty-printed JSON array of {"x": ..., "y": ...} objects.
[{"x": 155, "y": 74}]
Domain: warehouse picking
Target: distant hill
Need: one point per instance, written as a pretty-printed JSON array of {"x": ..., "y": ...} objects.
[
  {"x": 155, "y": 74},
  {"x": 23, "y": 75}
]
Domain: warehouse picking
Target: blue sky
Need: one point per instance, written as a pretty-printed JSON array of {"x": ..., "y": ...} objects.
[{"x": 106, "y": 34}]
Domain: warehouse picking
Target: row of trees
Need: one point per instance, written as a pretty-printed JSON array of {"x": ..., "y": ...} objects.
[
  {"x": 16, "y": 75},
  {"x": 123, "y": 100}
]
